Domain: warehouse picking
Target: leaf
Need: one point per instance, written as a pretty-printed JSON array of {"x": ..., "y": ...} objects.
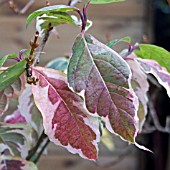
[
  {"x": 53, "y": 19},
  {"x": 58, "y": 64},
  {"x": 141, "y": 86},
  {"x": 65, "y": 119},
  {"x": 12, "y": 91},
  {"x": 156, "y": 53},
  {"x": 15, "y": 163},
  {"x": 29, "y": 111},
  {"x": 17, "y": 137},
  {"x": 104, "y": 1},
  {"x": 56, "y": 19},
  {"x": 160, "y": 73},
  {"x": 3, "y": 59},
  {"x": 15, "y": 117},
  {"x": 114, "y": 42},
  {"x": 10, "y": 75},
  {"x": 47, "y": 10},
  {"x": 105, "y": 78},
  {"x": 4, "y": 101}
]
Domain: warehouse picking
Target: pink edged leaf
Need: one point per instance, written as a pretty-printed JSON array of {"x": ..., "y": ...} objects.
[
  {"x": 159, "y": 72},
  {"x": 16, "y": 138},
  {"x": 15, "y": 163},
  {"x": 105, "y": 78},
  {"x": 65, "y": 119},
  {"x": 141, "y": 86}
]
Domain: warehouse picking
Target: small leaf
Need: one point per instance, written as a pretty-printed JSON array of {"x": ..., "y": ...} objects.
[
  {"x": 114, "y": 42},
  {"x": 17, "y": 137},
  {"x": 47, "y": 10},
  {"x": 104, "y": 1},
  {"x": 141, "y": 86},
  {"x": 15, "y": 163},
  {"x": 66, "y": 121},
  {"x": 3, "y": 59},
  {"x": 58, "y": 64},
  {"x": 156, "y": 53},
  {"x": 160, "y": 73},
  {"x": 10, "y": 75},
  {"x": 105, "y": 78}
]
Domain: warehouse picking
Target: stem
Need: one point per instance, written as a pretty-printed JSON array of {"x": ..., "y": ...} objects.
[
  {"x": 155, "y": 119},
  {"x": 27, "y": 6},
  {"x": 40, "y": 140},
  {"x": 35, "y": 160},
  {"x": 85, "y": 16},
  {"x": 34, "y": 45},
  {"x": 82, "y": 20},
  {"x": 73, "y": 2},
  {"x": 43, "y": 43}
]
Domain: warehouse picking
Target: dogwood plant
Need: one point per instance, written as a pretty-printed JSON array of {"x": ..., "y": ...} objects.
[{"x": 70, "y": 101}]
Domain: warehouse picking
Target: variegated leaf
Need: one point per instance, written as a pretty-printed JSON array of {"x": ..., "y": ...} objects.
[
  {"x": 140, "y": 86},
  {"x": 12, "y": 91},
  {"x": 28, "y": 110},
  {"x": 65, "y": 118},
  {"x": 105, "y": 78},
  {"x": 17, "y": 137},
  {"x": 159, "y": 72},
  {"x": 15, "y": 163},
  {"x": 15, "y": 117}
]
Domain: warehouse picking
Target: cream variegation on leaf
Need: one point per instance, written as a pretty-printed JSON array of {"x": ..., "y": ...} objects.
[{"x": 65, "y": 119}]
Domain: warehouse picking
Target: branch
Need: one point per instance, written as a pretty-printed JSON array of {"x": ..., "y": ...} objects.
[
  {"x": 26, "y": 7},
  {"x": 42, "y": 45},
  {"x": 73, "y": 2},
  {"x": 35, "y": 149},
  {"x": 155, "y": 119},
  {"x": 117, "y": 160}
]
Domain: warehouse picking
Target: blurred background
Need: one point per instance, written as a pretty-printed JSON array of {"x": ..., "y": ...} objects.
[{"x": 144, "y": 21}]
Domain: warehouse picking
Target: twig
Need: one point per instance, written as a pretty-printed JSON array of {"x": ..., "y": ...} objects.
[
  {"x": 35, "y": 149},
  {"x": 37, "y": 157},
  {"x": 13, "y": 6},
  {"x": 26, "y": 7},
  {"x": 73, "y": 2},
  {"x": 42, "y": 45},
  {"x": 155, "y": 119},
  {"x": 117, "y": 160}
]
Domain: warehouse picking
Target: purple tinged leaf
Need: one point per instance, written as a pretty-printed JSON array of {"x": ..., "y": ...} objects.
[
  {"x": 15, "y": 117},
  {"x": 159, "y": 72},
  {"x": 105, "y": 78},
  {"x": 65, "y": 119},
  {"x": 140, "y": 85},
  {"x": 14, "y": 163}
]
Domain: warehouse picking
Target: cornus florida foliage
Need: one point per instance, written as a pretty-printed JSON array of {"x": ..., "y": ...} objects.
[{"x": 70, "y": 101}]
